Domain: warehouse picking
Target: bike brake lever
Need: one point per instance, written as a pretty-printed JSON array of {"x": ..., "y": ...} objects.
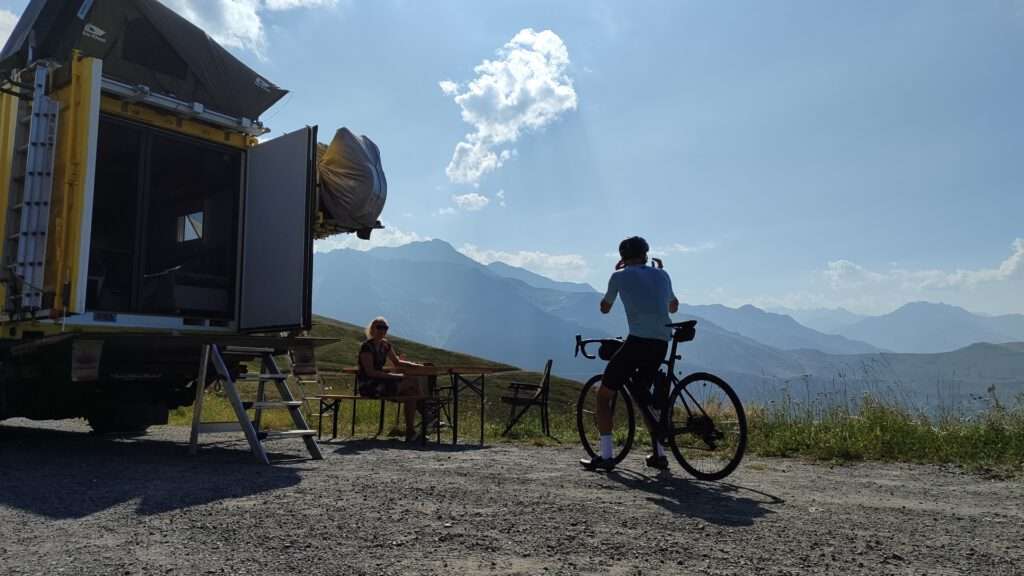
[{"x": 579, "y": 342}]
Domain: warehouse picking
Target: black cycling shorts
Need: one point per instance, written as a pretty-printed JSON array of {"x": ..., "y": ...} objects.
[{"x": 640, "y": 355}]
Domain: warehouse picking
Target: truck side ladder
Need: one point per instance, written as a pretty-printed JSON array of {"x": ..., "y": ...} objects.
[
  {"x": 28, "y": 212},
  {"x": 269, "y": 372}
]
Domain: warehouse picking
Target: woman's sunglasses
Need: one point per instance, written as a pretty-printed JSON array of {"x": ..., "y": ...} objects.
[{"x": 382, "y": 327}]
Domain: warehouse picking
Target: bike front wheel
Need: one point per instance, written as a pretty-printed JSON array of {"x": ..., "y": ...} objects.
[
  {"x": 623, "y": 421},
  {"x": 708, "y": 434}
]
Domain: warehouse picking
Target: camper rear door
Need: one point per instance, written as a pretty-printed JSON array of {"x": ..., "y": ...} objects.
[{"x": 277, "y": 242}]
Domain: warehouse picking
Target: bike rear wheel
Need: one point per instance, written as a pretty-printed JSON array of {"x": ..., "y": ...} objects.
[
  {"x": 623, "y": 421},
  {"x": 708, "y": 426}
]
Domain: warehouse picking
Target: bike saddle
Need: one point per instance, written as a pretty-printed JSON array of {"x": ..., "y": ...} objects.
[{"x": 683, "y": 331}]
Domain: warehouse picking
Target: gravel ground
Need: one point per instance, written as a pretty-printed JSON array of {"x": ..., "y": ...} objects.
[{"x": 74, "y": 503}]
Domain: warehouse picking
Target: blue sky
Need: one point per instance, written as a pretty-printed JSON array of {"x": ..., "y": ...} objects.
[{"x": 805, "y": 154}]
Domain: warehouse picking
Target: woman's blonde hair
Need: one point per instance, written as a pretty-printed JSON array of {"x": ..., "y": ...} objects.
[{"x": 369, "y": 327}]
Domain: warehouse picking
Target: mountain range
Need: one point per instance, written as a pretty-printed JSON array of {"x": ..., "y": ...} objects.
[
  {"x": 917, "y": 327},
  {"x": 433, "y": 294}
]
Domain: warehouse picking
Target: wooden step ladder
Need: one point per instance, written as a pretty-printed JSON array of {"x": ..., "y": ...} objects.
[{"x": 269, "y": 372}]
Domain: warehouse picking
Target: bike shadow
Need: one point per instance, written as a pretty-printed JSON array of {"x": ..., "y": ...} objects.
[{"x": 719, "y": 503}]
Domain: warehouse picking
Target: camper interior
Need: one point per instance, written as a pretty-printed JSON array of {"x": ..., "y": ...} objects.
[{"x": 165, "y": 224}]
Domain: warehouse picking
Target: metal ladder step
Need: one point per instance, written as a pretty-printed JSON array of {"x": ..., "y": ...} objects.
[
  {"x": 277, "y": 434},
  {"x": 250, "y": 376},
  {"x": 273, "y": 404},
  {"x": 245, "y": 351},
  {"x": 269, "y": 373}
]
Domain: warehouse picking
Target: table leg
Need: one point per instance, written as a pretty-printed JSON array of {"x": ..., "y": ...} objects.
[
  {"x": 482, "y": 409},
  {"x": 455, "y": 409},
  {"x": 335, "y": 408}
]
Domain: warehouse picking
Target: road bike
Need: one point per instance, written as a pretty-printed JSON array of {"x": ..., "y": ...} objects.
[{"x": 699, "y": 417}]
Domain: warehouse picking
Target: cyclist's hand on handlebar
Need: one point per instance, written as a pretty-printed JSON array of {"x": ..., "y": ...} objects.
[
  {"x": 605, "y": 306},
  {"x": 620, "y": 265}
]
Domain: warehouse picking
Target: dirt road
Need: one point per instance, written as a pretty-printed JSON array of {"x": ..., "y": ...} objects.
[{"x": 73, "y": 503}]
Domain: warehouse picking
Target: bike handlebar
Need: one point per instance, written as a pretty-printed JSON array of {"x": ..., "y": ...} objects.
[{"x": 581, "y": 347}]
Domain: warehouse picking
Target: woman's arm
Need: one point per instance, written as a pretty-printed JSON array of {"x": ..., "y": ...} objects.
[
  {"x": 399, "y": 363},
  {"x": 366, "y": 361}
]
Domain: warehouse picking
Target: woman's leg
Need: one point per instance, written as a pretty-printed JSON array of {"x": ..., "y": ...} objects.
[{"x": 410, "y": 387}]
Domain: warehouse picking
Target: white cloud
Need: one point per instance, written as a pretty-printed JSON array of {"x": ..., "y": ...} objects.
[
  {"x": 677, "y": 248},
  {"x": 860, "y": 289},
  {"x": 471, "y": 202},
  {"x": 8, "y": 20},
  {"x": 386, "y": 237},
  {"x": 525, "y": 88},
  {"x": 448, "y": 87},
  {"x": 501, "y": 198},
  {"x": 446, "y": 211},
  {"x": 289, "y": 4},
  {"x": 237, "y": 23},
  {"x": 566, "y": 267},
  {"x": 843, "y": 274}
]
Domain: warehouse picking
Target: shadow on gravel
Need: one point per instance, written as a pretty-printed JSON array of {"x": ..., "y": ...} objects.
[
  {"x": 713, "y": 502},
  {"x": 62, "y": 474},
  {"x": 360, "y": 445}
]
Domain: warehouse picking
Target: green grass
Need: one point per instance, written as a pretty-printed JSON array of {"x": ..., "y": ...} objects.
[
  {"x": 867, "y": 429},
  {"x": 870, "y": 429}
]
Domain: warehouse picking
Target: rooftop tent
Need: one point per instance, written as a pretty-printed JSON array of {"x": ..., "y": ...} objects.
[{"x": 142, "y": 42}]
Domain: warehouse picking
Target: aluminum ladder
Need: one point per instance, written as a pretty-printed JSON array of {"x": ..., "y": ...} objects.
[
  {"x": 269, "y": 373},
  {"x": 28, "y": 213}
]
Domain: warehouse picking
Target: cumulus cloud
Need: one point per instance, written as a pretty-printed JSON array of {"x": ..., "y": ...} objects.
[
  {"x": 566, "y": 267},
  {"x": 388, "y": 237},
  {"x": 843, "y": 274},
  {"x": 471, "y": 202},
  {"x": 677, "y": 248},
  {"x": 289, "y": 4},
  {"x": 501, "y": 198},
  {"x": 524, "y": 89},
  {"x": 7, "y": 21},
  {"x": 237, "y": 23}
]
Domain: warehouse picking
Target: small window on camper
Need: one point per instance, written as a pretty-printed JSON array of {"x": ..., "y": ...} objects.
[{"x": 190, "y": 227}]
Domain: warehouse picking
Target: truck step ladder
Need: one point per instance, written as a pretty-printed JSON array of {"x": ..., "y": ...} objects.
[
  {"x": 29, "y": 193},
  {"x": 269, "y": 372}
]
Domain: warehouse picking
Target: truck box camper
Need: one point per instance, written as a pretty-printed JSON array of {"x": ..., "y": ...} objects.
[{"x": 143, "y": 218}]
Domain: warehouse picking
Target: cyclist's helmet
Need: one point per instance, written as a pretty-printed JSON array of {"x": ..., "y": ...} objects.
[{"x": 633, "y": 247}]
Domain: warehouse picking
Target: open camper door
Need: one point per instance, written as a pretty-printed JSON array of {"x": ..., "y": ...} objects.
[{"x": 277, "y": 242}]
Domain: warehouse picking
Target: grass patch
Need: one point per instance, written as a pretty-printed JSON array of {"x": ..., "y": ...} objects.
[{"x": 870, "y": 429}]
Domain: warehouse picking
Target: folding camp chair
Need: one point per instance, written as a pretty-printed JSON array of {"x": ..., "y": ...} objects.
[{"x": 523, "y": 396}]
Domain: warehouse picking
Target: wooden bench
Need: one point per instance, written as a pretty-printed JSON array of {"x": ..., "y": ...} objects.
[{"x": 330, "y": 402}]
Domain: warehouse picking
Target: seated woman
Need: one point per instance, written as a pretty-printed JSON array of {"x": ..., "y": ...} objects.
[{"x": 374, "y": 382}]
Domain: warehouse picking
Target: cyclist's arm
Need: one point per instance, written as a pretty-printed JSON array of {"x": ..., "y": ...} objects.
[
  {"x": 609, "y": 296},
  {"x": 673, "y": 302}
]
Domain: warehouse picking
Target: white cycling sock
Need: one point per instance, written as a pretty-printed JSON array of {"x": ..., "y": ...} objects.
[{"x": 606, "y": 446}]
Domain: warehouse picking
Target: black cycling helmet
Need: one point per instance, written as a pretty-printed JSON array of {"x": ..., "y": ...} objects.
[{"x": 633, "y": 247}]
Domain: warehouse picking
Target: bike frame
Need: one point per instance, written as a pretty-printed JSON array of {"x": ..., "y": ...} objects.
[{"x": 662, "y": 424}]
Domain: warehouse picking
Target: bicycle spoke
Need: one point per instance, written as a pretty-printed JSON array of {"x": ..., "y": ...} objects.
[{"x": 708, "y": 427}]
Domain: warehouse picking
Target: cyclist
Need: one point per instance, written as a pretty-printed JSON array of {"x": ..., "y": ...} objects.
[{"x": 647, "y": 296}]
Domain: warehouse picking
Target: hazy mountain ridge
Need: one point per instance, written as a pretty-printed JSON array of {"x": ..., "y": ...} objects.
[
  {"x": 536, "y": 280},
  {"x": 925, "y": 327},
  {"x": 824, "y": 320},
  {"x": 777, "y": 330}
]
